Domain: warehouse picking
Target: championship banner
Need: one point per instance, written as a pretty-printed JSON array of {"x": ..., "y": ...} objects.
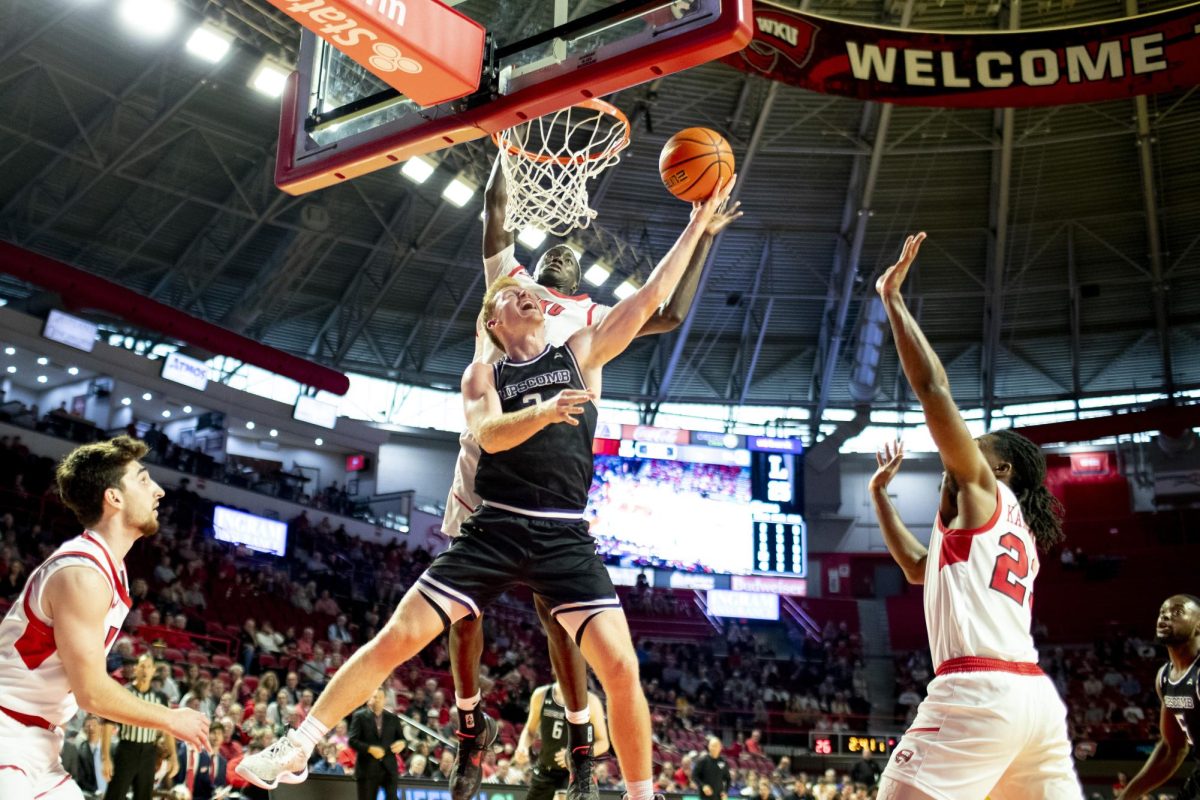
[{"x": 1110, "y": 60}]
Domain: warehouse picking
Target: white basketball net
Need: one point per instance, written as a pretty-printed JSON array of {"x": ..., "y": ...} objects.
[{"x": 548, "y": 161}]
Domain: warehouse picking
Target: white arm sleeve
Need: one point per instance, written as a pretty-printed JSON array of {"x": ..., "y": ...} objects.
[{"x": 503, "y": 263}]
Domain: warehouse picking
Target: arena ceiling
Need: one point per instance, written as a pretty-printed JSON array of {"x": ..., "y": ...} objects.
[{"x": 1039, "y": 281}]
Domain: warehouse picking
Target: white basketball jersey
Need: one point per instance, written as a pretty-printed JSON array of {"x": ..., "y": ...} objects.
[
  {"x": 979, "y": 587},
  {"x": 32, "y": 678},
  {"x": 564, "y": 315}
]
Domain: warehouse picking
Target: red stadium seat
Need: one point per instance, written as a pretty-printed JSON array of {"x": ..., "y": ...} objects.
[
  {"x": 198, "y": 657},
  {"x": 250, "y": 682},
  {"x": 174, "y": 655},
  {"x": 268, "y": 661},
  {"x": 222, "y": 662}
]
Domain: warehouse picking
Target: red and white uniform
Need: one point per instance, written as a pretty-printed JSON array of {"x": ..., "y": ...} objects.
[
  {"x": 35, "y": 695},
  {"x": 992, "y": 723},
  {"x": 564, "y": 315}
]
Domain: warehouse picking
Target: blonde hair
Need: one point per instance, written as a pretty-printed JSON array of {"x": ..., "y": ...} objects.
[{"x": 490, "y": 299}]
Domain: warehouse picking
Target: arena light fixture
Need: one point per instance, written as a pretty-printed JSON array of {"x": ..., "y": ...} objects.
[
  {"x": 319, "y": 441},
  {"x": 273, "y": 433},
  {"x": 418, "y": 169},
  {"x": 166, "y": 413},
  {"x": 626, "y": 288},
  {"x": 187, "y": 409},
  {"x": 42, "y": 379},
  {"x": 72, "y": 370},
  {"x": 269, "y": 78},
  {"x": 250, "y": 425},
  {"x": 126, "y": 401},
  {"x": 149, "y": 19},
  {"x": 43, "y": 361},
  {"x": 597, "y": 274},
  {"x": 10, "y": 351},
  {"x": 209, "y": 43},
  {"x": 12, "y": 370},
  {"x": 531, "y": 237},
  {"x": 459, "y": 190},
  {"x": 147, "y": 397}
]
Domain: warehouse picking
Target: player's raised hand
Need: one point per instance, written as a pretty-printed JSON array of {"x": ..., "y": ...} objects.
[
  {"x": 723, "y": 216},
  {"x": 888, "y": 460},
  {"x": 889, "y": 282},
  {"x": 191, "y": 727},
  {"x": 567, "y": 405},
  {"x": 705, "y": 210}
]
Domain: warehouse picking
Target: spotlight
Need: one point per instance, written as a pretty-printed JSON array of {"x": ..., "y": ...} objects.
[
  {"x": 269, "y": 78},
  {"x": 210, "y": 43}
]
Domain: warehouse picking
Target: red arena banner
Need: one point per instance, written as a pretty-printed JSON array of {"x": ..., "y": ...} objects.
[{"x": 981, "y": 69}]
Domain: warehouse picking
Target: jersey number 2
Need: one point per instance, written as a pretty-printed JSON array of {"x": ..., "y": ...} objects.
[{"x": 1011, "y": 569}]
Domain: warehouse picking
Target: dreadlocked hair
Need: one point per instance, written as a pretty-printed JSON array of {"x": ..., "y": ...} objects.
[{"x": 1042, "y": 511}]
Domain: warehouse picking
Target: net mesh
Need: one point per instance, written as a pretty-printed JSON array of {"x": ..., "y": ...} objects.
[{"x": 548, "y": 161}]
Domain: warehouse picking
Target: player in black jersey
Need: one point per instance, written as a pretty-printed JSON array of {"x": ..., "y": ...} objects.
[
  {"x": 534, "y": 416},
  {"x": 548, "y": 722},
  {"x": 1178, "y": 685}
]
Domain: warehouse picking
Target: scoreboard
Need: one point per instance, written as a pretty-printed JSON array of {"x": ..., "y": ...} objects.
[{"x": 843, "y": 744}]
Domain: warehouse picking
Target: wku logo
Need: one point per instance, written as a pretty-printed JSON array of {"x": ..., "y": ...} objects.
[
  {"x": 780, "y": 35},
  {"x": 551, "y": 309},
  {"x": 903, "y": 756}
]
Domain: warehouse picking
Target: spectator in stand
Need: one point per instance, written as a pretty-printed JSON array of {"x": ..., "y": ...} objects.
[
  {"x": 305, "y": 644},
  {"x": 268, "y": 639},
  {"x": 291, "y": 685},
  {"x": 753, "y": 743},
  {"x": 327, "y": 605},
  {"x": 445, "y": 763},
  {"x": 164, "y": 573},
  {"x": 279, "y": 712},
  {"x": 168, "y": 685},
  {"x": 711, "y": 773},
  {"x": 418, "y": 767},
  {"x": 339, "y": 632},
  {"x": 248, "y": 642},
  {"x": 13, "y": 582},
  {"x": 328, "y": 764}
]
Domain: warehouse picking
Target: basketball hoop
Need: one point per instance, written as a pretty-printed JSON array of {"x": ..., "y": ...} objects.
[{"x": 548, "y": 161}]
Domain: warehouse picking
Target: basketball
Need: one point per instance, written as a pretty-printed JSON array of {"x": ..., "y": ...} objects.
[{"x": 695, "y": 163}]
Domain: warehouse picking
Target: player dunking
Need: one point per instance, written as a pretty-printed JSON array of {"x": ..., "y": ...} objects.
[
  {"x": 1178, "y": 685},
  {"x": 548, "y": 722},
  {"x": 992, "y": 723},
  {"x": 534, "y": 416},
  {"x": 555, "y": 283},
  {"x": 54, "y": 639}
]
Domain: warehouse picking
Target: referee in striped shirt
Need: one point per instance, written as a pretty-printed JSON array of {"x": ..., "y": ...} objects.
[{"x": 135, "y": 761}]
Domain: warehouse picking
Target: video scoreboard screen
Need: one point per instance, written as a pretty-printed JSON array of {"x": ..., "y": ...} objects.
[{"x": 699, "y": 501}]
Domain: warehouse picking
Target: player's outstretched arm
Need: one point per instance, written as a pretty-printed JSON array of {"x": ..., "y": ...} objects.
[
  {"x": 600, "y": 744},
  {"x": 1164, "y": 761},
  {"x": 596, "y": 346},
  {"x": 496, "y": 430},
  {"x": 495, "y": 206},
  {"x": 905, "y": 548},
  {"x": 77, "y": 600},
  {"x": 960, "y": 454},
  {"x": 676, "y": 309},
  {"x": 521, "y": 754}
]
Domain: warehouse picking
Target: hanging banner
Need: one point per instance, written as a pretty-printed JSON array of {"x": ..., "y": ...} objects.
[{"x": 1109, "y": 60}]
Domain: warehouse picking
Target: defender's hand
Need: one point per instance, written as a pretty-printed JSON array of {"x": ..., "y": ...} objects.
[
  {"x": 890, "y": 281},
  {"x": 888, "y": 460}
]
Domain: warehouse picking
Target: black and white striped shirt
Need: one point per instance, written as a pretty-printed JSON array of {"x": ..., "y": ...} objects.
[{"x": 132, "y": 733}]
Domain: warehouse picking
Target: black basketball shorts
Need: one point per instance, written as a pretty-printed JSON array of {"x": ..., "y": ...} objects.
[
  {"x": 546, "y": 782},
  {"x": 499, "y": 550}
]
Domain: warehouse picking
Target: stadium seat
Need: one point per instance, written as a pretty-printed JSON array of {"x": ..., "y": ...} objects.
[
  {"x": 174, "y": 655},
  {"x": 222, "y": 662}
]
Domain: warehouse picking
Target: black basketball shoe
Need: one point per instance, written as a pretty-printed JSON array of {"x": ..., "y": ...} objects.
[
  {"x": 467, "y": 772},
  {"x": 582, "y": 785}
]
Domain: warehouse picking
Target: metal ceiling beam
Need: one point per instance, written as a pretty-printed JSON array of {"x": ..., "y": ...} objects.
[
  {"x": 1145, "y": 145},
  {"x": 360, "y": 274},
  {"x": 1075, "y": 312},
  {"x": 735, "y": 373},
  {"x": 993, "y": 312},
  {"x": 11, "y": 51},
  {"x": 857, "y": 212},
  {"x": 119, "y": 160},
  {"x": 747, "y": 161},
  {"x": 762, "y": 331},
  {"x": 88, "y": 129}
]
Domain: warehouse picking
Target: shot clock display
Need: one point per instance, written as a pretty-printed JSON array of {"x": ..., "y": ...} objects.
[{"x": 844, "y": 744}]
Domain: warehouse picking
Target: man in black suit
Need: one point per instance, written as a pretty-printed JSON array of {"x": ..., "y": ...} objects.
[
  {"x": 376, "y": 736},
  {"x": 205, "y": 774}
]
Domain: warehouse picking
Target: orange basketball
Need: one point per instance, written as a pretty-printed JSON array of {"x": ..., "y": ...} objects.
[{"x": 695, "y": 163}]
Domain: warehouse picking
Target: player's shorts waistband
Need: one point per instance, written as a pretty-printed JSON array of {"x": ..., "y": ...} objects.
[
  {"x": 977, "y": 664},
  {"x": 28, "y": 720},
  {"x": 543, "y": 513}
]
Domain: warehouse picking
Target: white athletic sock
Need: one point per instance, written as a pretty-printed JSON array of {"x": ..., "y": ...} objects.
[
  {"x": 580, "y": 717},
  {"x": 468, "y": 703},
  {"x": 309, "y": 734},
  {"x": 640, "y": 790}
]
